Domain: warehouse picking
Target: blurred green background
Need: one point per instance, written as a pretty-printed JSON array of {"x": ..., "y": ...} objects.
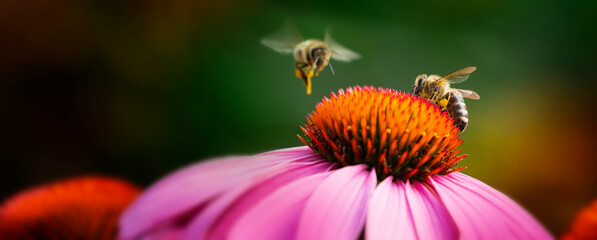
[{"x": 139, "y": 88}]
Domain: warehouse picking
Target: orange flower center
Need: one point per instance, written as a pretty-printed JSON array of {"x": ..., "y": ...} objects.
[{"x": 398, "y": 134}]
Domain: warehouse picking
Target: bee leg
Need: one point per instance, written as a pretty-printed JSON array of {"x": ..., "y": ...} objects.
[
  {"x": 305, "y": 76},
  {"x": 319, "y": 69},
  {"x": 309, "y": 76},
  {"x": 308, "y": 84},
  {"x": 444, "y": 101},
  {"x": 298, "y": 70},
  {"x": 299, "y": 73},
  {"x": 435, "y": 91}
]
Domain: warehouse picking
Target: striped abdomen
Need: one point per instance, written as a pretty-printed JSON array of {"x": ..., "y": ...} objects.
[{"x": 457, "y": 109}]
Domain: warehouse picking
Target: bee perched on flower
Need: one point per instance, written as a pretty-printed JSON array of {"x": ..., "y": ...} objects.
[
  {"x": 437, "y": 90},
  {"x": 379, "y": 164}
]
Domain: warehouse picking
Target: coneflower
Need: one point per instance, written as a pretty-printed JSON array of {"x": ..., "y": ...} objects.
[
  {"x": 78, "y": 208},
  {"x": 584, "y": 225},
  {"x": 379, "y": 164}
]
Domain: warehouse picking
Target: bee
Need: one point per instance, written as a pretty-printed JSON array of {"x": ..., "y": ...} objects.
[
  {"x": 437, "y": 90},
  {"x": 311, "y": 56}
]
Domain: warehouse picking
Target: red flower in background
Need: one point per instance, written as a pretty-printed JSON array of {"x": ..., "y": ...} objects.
[
  {"x": 584, "y": 225},
  {"x": 78, "y": 208}
]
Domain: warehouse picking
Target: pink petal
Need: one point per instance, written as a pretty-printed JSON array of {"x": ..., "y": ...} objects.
[
  {"x": 431, "y": 217},
  {"x": 302, "y": 152},
  {"x": 215, "y": 221},
  {"x": 337, "y": 208},
  {"x": 277, "y": 216},
  {"x": 388, "y": 215},
  {"x": 183, "y": 192},
  {"x": 407, "y": 211},
  {"x": 482, "y": 212}
]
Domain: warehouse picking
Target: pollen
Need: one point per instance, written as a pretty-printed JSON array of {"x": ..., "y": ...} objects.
[{"x": 396, "y": 133}]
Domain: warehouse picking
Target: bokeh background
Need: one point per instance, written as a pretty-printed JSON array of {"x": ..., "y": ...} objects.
[{"x": 137, "y": 89}]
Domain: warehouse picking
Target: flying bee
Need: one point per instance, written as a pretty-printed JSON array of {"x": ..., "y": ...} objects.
[
  {"x": 437, "y": 90},
  {"x": 311, "y": 56}
]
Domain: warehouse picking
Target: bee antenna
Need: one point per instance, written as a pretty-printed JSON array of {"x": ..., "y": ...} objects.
[
  {"x": 315, "y": 62},
  {"x": 331, "y": 68}
]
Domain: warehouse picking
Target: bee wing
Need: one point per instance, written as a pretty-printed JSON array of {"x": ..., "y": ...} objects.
[
  {"x": 459, "y": 75},
  {"x": 339, "y": 52},
  {"x": 468, "y": 94},
  {"x": 284, "y": 40}
]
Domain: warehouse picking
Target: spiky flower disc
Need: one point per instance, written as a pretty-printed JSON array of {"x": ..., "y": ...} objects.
[{"x": 398, "y": 134}]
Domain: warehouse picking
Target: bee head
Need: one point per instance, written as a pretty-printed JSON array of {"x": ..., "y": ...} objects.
[
  {"x": 419, "y": 83},
  {"x": 321, "y": 55}
]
